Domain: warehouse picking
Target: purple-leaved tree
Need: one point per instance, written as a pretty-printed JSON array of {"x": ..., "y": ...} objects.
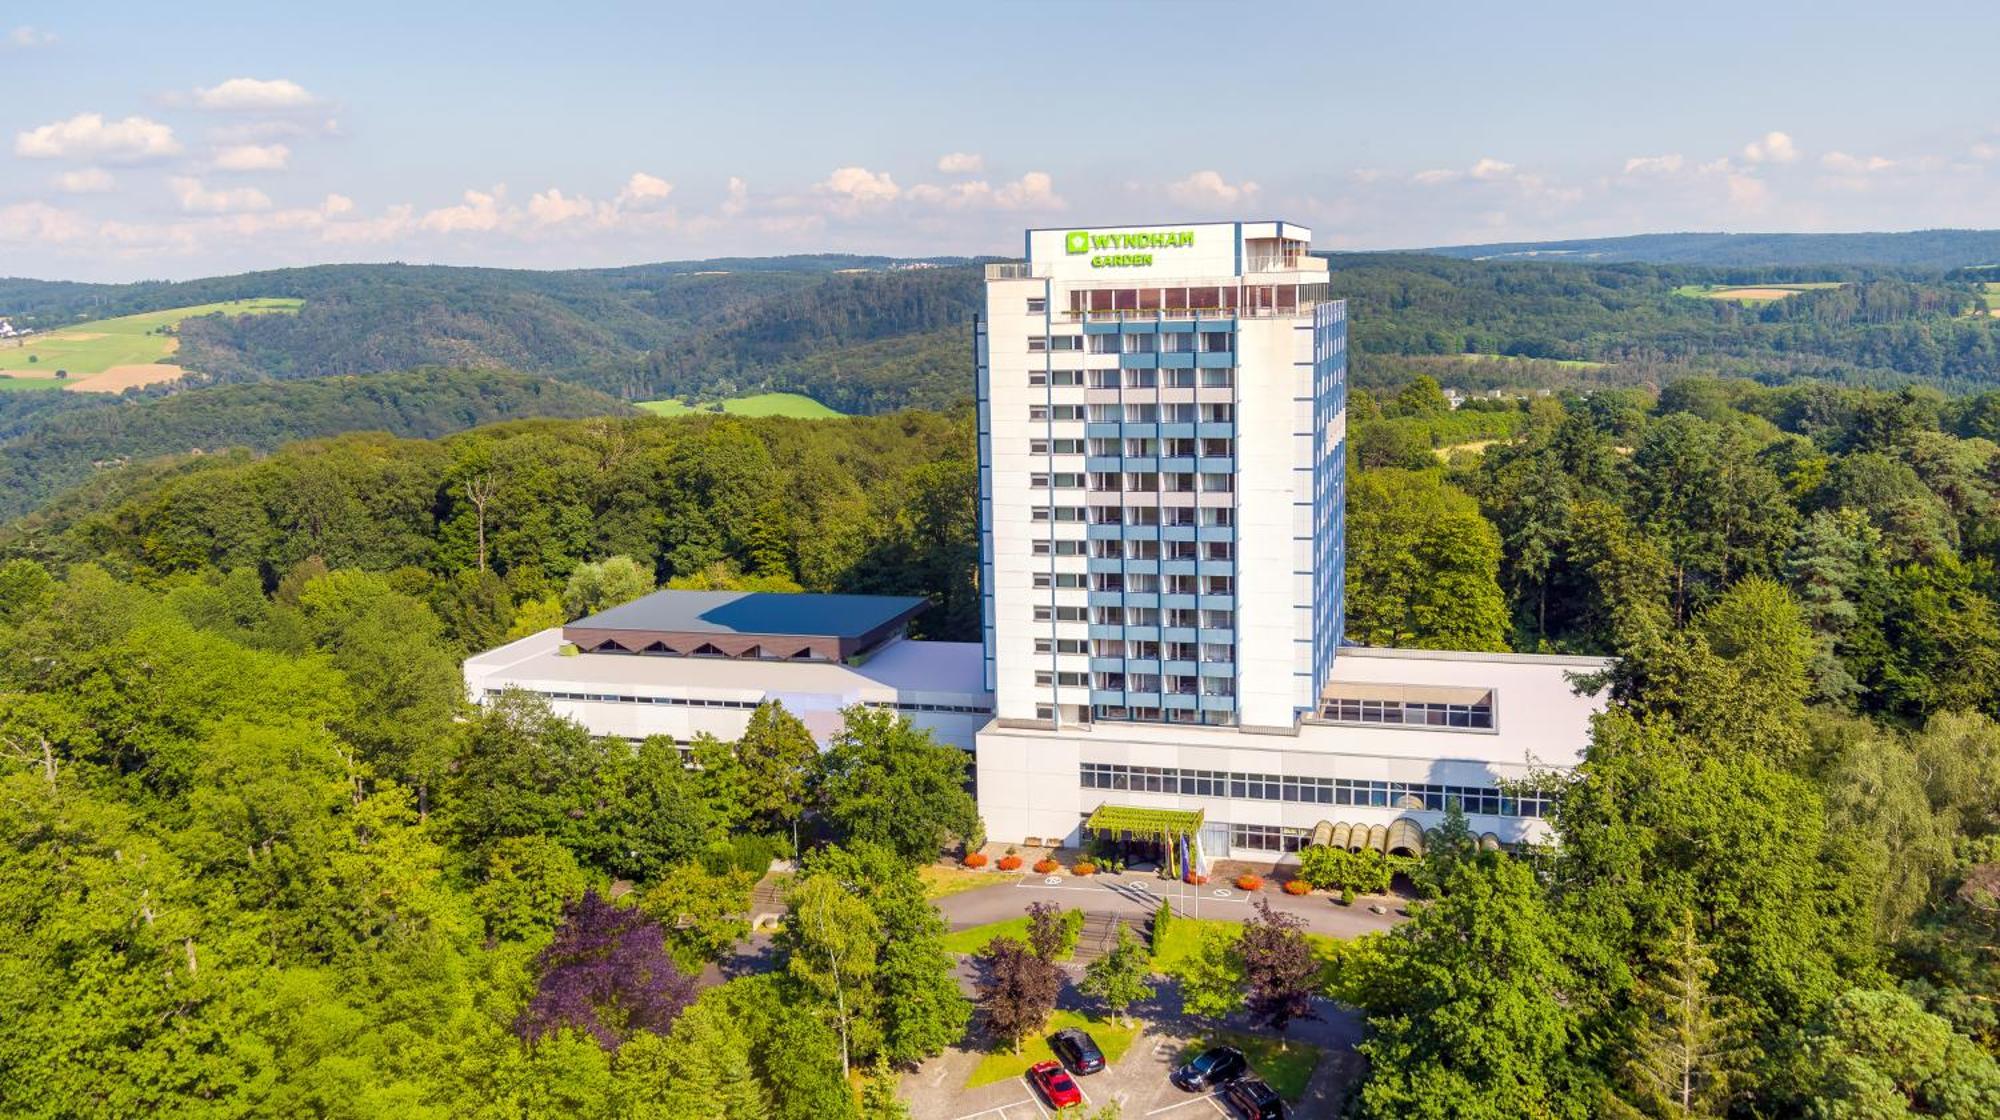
[{"x": 606, "y": 974}]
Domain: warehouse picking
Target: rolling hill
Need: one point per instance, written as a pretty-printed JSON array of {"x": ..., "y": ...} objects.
[{"x": 1938, "y": 249}]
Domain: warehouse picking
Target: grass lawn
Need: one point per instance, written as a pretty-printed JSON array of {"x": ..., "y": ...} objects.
[
  {"x": 1752, "y": 293},
  {"x": 1993, "y": 295},
  {"x": 760, "y": 404},
  {"x": 1185, "y": 935},
  {"x": 1113, "y": 1037},
  {"x": 1573, "y": 363},
  {"x": 940, "y": 880},
  {"x": 1286, "y": 1068},
  {"x": 7, "y": 383},
  {"x": 976, "y": 938},
  {"x": 93, "y": 347}
]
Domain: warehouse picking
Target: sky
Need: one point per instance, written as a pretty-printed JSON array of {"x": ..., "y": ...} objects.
[{"x": 167, "y": 141}]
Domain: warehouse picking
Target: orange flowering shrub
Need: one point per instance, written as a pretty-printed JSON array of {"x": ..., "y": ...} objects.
[
  {"x": 1047, "y": 867},
  {"x": 1084, "y": 867},
  {"x": 1249, "y": 883},
  {"x": 975, "y": 860},
  {"x": 1009, "y": 863},
  {"x": 1297, "y": 886}
]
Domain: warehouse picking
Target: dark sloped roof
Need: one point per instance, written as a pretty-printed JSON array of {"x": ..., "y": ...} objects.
[{"x": 756, "y": 612}]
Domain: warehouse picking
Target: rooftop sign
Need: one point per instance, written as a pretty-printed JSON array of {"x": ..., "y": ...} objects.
[{"x": 1121, "y": 250}]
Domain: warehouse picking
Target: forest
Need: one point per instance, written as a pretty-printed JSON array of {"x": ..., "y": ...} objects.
[
  {"x": 54, "y": 441},
  {"x": 259, "y": 860}
]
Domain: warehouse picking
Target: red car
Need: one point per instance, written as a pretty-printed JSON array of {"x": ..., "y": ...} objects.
[{"x": 1055, "y": 1085}]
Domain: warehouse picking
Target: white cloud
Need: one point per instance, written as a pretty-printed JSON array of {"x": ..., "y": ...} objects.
[
  {"x": 1854, "y": 165},
  {"x": 1775, "y": 147},
  {"x": 737, "y": 199},
  {"x": 1984, "y": 151},
  {"x": 643, "y": 191},
  {"x": 337, "y": 204},
  {"x": 1653, "y": 165},
  {"x": 39, "y": 222},
  {"x": 1490, "y": 168},
  {"x": 84, "y": 180},
  {"x": 254, "y": 95},
  {"x": 90, "y": 136},
  {"x": 552, "y": 208},
  {"x": 26, "y": 38},
  {"x": 478, "y": 213},
  {"x": 1032, "y": 191},
  {"x": 1747, "y": 192},
  {"x": 1209, "y": 188},
  {"x": 961, "y": 163},
  {"x": 1434, "y": 176},
  {"x": 858, "y": 186},
  {"x": 196, "y": 198},
  {"x": 253, "y": 157}
]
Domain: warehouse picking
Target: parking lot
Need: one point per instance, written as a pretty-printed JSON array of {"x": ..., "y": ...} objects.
[{"x": 1137, "y": 1083}]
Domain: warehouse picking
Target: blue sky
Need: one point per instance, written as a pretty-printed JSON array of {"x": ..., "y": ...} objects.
[{"x": 141, "y": 141}]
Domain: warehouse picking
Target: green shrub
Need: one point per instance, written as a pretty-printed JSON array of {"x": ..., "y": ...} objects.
[
  {"x": 1162, "y": 918},
  {"x": 1334, "y": 869},
  {"x": 740, "y": 853},
  {"x": 1072, "y": 930}
]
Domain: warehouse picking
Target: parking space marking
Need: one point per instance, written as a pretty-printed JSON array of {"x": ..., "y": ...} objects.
[
  {"x": 1208, "y": 1098},
  {"x": 999, "y": 1110}
]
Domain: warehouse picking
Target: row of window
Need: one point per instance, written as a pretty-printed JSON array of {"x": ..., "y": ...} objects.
[
  {"x": 1135, "y": 550},
  {"x": 1183, "y": 412},
  {"x": 1112, "y": 713},
  {"x": 691, "y": 702},
  {"x": 1169, "y": 342},
  {"x": 1410, "y": 713},
  {"x": 1176, "y": 517},
  {"x": 1485, "y": 800},
  {"x": 1137, "y": 448},
  {"x": 1173, "y": 618},
  {"x": 1214, "y": 653},
  {"x": 1171, "y": 684},
  {"x": 1178, "y": 300},
  {"x": 1142, "y": 583},
  {"x": 1267, "y": 838},
  {"x": 1135, "y": 378}
]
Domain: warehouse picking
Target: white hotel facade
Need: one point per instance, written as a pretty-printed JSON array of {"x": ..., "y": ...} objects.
[{"x": 1162, "y": 426}]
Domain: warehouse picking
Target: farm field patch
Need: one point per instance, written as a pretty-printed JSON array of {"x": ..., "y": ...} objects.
[
  {"x": 795, "y": 405},
  {"x": 118, "y": 353}
]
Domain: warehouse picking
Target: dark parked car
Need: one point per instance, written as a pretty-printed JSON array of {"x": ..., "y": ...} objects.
[
  {"x": 1218, "y": 1065},
  {"x": 1254, "y": 1100},
  {"x": 1055, "y": 1085},
  {"x": 1077, "y": 1050}
]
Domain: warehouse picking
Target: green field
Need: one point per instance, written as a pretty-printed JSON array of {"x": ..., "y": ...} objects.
[
  {"x": 1753, "y": 294},
  {"x": 87, "y": 349},
  {"x": 1573, "y": 363},
  {"x": 1993, "y": 295},
  {"x": 760, "y": 404}
]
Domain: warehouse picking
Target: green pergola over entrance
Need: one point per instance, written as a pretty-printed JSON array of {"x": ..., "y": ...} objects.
[{"x": 1172, "y": 826}]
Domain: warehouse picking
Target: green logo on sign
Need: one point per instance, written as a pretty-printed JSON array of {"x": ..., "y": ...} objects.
[{"x": 1076, "y": 242}]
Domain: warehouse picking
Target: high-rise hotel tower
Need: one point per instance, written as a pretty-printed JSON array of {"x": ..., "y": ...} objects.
[
  {"x": 1162, "y": 413},
  {"x": 1162, "y": 484}
]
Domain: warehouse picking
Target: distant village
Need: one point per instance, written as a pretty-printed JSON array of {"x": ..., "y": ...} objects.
[{"x": 7, "y": 330}]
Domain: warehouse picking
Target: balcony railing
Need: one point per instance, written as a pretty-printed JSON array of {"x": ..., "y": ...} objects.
[{"x": 1012, "y": 270}]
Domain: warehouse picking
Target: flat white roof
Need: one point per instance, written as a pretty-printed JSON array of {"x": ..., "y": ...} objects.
[{"x": 947, "y": 672}]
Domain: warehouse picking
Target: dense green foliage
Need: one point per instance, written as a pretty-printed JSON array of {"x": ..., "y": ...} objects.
[
  {"x": 63, "y": 447},
  {"x": 489, "y": 525},
  {"x": 1773, "y": 888}
]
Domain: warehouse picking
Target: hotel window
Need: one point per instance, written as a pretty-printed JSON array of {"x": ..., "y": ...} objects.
[
  {"x": 1217, "y": 342},
  {"x": 1217, "y": 517},
  {"x": 1037, "y": 304},
  {"x": 1066, "y": 412},
  {"x": 1038, "y": 343},
  {"x": 1218, "y": 378},
  {"x": 1142, "y": 378},
  {"x": 1069, "y": 580},
  {"x": 1105, "y": 414},
  {"x": 1142, "y": 448},
  {"x": 1218, "y": 620},
  {"x": 1140, "y": 343},
  {"x": 1266, "y": 838},
  {"x": 1179, "y": 379},
  {"x": 1055, "y": 447},
  {"x": 1142, "y": 414},
  {"x": 1104, "y": 344},
  {"x": 1062, "y": 343},
  {"x": 1181, "y": 618},
  {"x": 1104, "y": 379},
  {"x": 1177, "y": 342},
  {"x": 1218, "y": 414}
]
